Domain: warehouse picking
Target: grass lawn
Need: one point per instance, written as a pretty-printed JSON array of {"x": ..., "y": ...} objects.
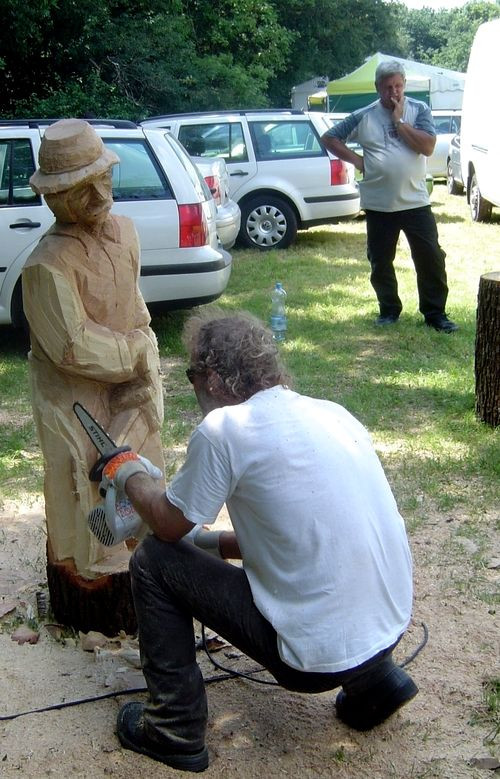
[
  {"x": 414, "y": 390},
  {"x": 411, "y": 386}
]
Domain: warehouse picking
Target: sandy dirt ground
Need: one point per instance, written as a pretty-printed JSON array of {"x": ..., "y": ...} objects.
[{"x": 255, "y": 730}]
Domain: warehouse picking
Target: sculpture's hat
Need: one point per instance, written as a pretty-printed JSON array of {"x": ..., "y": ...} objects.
[{"x": 71, "y": 153}]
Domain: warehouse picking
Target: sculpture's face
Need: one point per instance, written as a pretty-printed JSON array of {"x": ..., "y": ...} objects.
[{"x": 91, "y": 202}]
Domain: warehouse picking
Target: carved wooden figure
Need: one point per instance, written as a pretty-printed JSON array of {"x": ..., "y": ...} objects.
[{"x": 90, "y": 342}]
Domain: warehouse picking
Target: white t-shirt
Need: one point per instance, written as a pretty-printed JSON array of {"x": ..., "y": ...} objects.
[
  {"x": 394, "y": 174},
  {"x": 323, "y": 544}
]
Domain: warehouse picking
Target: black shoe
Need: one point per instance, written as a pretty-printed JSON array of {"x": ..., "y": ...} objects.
[
  {"x": 376, "y": 704},
  {"x": 442, "y": 323},
  {"x": 388, "y": 319},
  {"x": 130, "y": 731}
]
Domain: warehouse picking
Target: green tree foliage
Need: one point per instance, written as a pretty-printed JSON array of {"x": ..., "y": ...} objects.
[
  {"x": 134, "y": 58},
  {"x": 424, "y": 33},
  {"x": 444, "y": 38},
  {"x": 332, "y": 37},
  {"x": 463, "y": 26}
]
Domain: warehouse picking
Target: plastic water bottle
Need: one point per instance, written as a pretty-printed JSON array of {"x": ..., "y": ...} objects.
[{"x": 278, "y": 315}]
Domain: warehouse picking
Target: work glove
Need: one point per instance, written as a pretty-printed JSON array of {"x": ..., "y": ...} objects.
[
  {"x": 208, "y": 540},
  {"x": 119, "y": 465}
]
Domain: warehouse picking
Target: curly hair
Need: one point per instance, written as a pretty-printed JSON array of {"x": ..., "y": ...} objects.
[{"x": 238, "y": 348}]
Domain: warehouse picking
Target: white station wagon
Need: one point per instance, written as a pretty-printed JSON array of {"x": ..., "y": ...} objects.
[
  {"x": 155, "y": 183},
  {"x": 280, "y": 175}
]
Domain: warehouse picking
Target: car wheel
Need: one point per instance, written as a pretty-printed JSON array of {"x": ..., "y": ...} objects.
[
  {"x": 480, "y": 209},
  {"x": 454, "y": 187},
  {"x": 267, "y": 223}
]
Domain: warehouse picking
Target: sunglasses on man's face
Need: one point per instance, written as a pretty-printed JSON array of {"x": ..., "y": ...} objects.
[{"x": 192, "y": 372}]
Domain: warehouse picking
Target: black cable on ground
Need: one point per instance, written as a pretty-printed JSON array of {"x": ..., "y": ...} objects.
[
  {"x": 419, "y": 648},
  {"x": 228, "y": 674}
]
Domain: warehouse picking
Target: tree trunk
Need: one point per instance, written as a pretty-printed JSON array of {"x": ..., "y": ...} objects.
[
  {"x": 103, "y": 604},
  {"x": 487, "y": 354}
]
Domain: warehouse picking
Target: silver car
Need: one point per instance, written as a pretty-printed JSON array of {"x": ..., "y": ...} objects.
[
  {"x": 447, "y": 125},
  {"x": 228, "y": 219},
  {"x": 454, "y": 168}
]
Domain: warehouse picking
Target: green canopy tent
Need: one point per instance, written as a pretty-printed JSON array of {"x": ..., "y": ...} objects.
[{"x": 357, "y": 89}]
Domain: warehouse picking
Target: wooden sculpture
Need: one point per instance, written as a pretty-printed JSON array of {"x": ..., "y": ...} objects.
[{"x": 90, "y": 342}]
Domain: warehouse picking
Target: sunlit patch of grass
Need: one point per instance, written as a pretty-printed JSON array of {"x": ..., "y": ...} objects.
[
  {"x": 489, "y": 713},
  {"x": 411, "y": 386}
]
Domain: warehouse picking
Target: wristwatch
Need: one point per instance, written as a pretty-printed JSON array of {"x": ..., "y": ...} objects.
[{"x": 401, "y": 121}]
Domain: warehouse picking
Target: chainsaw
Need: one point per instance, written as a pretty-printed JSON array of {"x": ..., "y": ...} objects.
[{"x": 114, "y": 519}]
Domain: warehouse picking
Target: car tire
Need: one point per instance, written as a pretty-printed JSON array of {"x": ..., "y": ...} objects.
[
  {"x": 480, "y": 209},
  {"x": 267, "y": 223},
  {"x": 453, "y": 186}
]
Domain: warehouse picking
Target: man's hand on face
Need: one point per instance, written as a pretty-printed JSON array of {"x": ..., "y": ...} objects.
[{"x": 397, "y": 107}]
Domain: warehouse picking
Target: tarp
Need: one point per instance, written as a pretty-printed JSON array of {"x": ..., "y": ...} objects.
[
  {"x": 439, "y": 87},
  {"x": 318, "y": 101}
]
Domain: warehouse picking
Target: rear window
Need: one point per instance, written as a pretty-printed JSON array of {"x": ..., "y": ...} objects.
[
  {"x": 215, "y": 139},
  {"x": 192, "y": 171},
  {"x": 447, "y": 124},
  {"x": 137, "y": 176},
  {"x": 286, "y": 139}
]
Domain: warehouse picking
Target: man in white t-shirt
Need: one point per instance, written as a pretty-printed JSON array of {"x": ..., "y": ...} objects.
[
  {"x": 396, "y": 133},
  {"x": 325, "y": 591}
]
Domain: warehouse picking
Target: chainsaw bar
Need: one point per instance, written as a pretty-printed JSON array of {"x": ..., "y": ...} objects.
[{"x": 101, "y": 440}]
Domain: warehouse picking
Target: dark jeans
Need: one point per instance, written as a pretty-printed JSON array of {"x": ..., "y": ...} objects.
[
  {"x": 419, "y": 226},
  {"x": 171, "y": 584}
]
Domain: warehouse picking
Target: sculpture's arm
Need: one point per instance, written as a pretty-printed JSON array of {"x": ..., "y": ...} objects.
[{"x": 75, "y": 344}]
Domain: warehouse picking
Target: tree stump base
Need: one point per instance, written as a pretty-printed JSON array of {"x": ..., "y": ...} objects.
[
  {"x": 103, "y": 604},
  {"x": 487, "y": 350}
]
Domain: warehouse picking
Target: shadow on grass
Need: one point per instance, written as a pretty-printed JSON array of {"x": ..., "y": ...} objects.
[{"x": 13, "y": 342}]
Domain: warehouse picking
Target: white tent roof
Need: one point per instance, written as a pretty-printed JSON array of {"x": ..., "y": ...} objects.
[{"x": 446, "y": 86}]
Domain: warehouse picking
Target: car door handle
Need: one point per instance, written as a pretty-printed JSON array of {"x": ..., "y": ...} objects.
[
  {"x": 239, "y": 173},
  {"x": 25, "y": 223}
]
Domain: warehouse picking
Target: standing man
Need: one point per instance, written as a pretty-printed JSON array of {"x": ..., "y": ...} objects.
[
  {"x": 396, "y": 133},
  {"x": 325, "y": 591}
]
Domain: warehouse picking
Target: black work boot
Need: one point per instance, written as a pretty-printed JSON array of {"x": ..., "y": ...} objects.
[
  {"x": 370, "y": 698},
  {"x": 132, "y": 735}
]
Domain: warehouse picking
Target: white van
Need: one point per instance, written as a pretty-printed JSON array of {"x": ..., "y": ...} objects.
[{"x": 480, "y": 135}]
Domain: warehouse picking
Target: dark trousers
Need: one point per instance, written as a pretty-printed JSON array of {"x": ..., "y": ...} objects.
[
  {"x": 171, "y": 584},
  {"x": 419, "y": 226}
]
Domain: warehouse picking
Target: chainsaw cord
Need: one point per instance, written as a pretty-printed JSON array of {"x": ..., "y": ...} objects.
[
  {"x": 246, "y": 675},
  {"x": 228, "y": 674},
  {"x": 419, "y": 648}
]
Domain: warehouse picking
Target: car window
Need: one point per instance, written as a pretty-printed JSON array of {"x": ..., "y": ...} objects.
[
  {"x": 442, "y": 124},
  {"x": 285, "y": 140},
  {"x": 192, "y": 171},
  {"x": 16, "y": 167},
  {"x": 138, "y": 175},
  {"x": 455, "y": 124},
  {"x": 215, "y": 139}
]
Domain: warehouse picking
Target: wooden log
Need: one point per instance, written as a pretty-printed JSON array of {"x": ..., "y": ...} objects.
[
  {"x": 103, "y": 604},
  {"x": 487, "y": 349}
]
